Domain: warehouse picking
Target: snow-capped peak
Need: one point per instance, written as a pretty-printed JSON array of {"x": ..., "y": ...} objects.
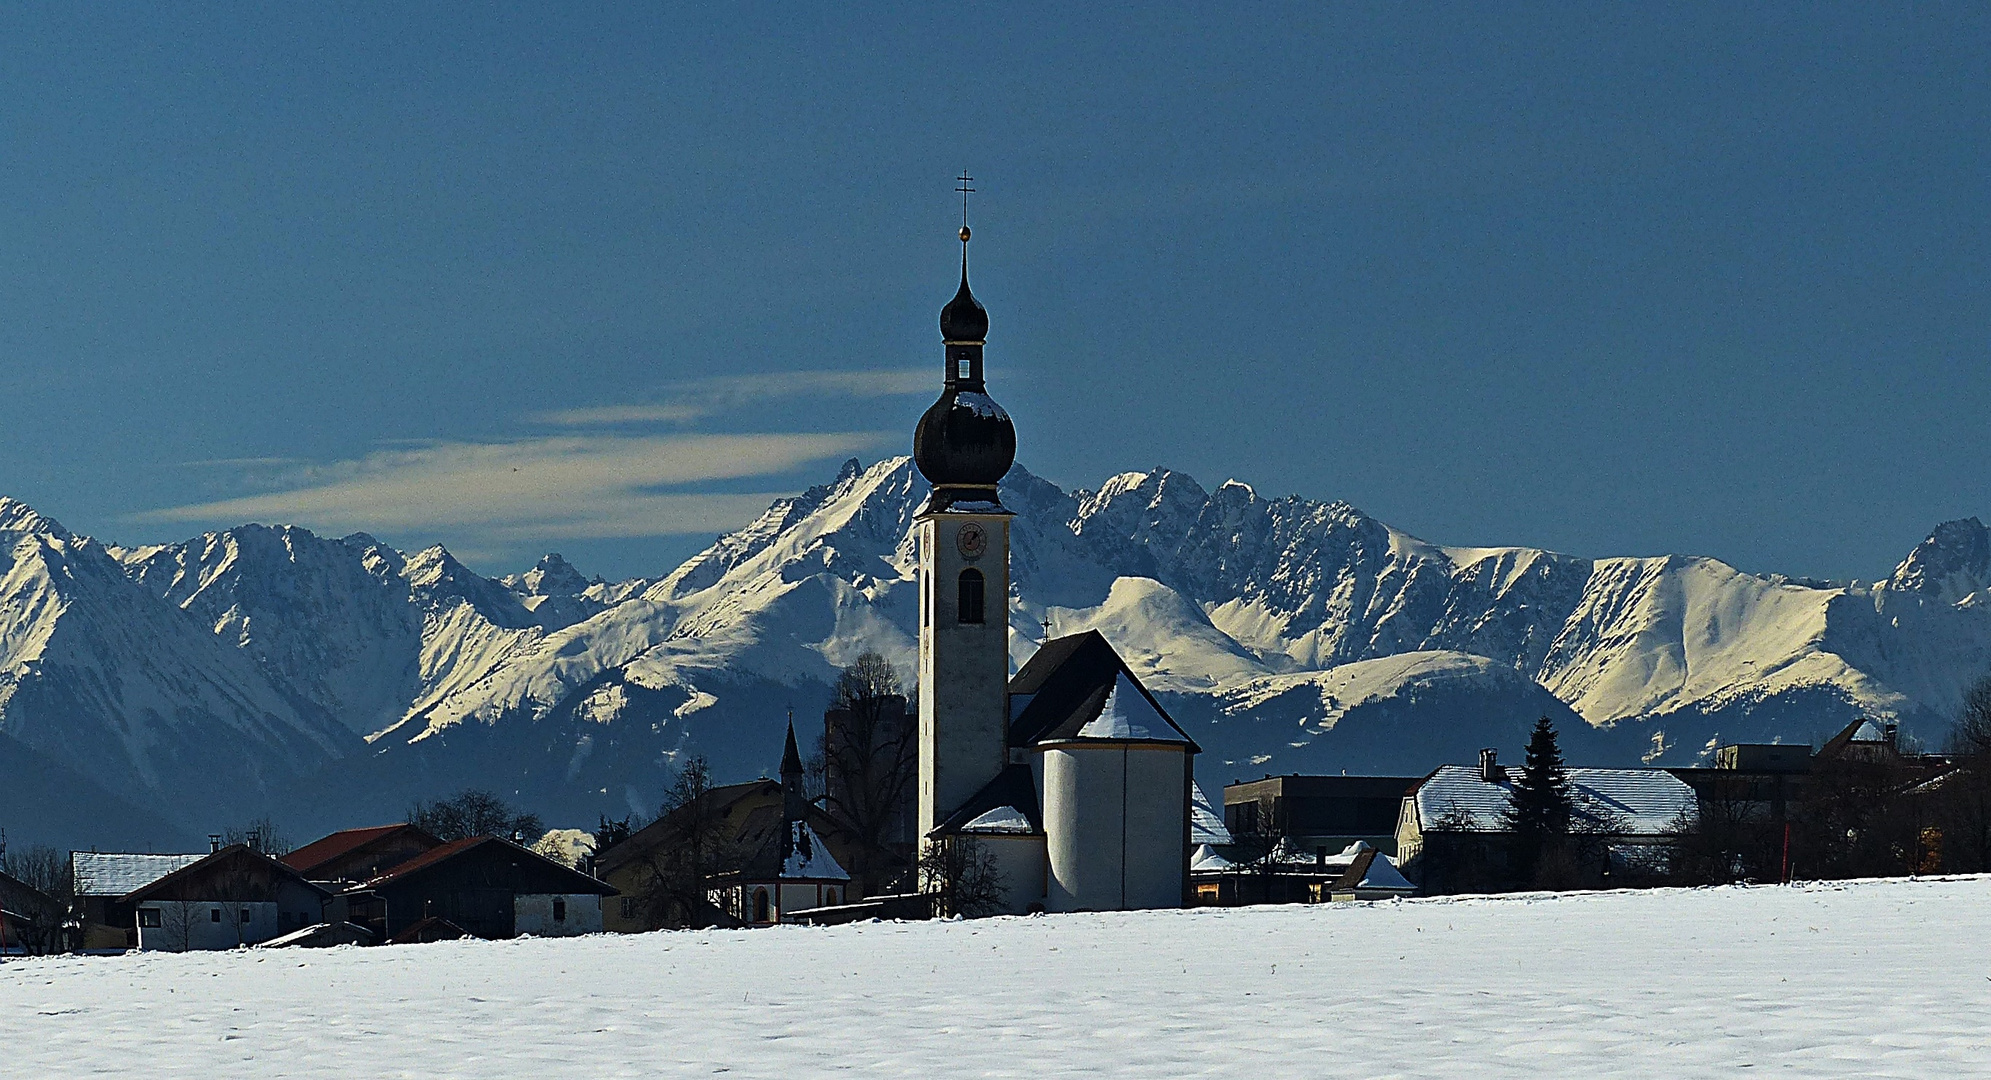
[
  {"x": 18, "y": 517},
  {"x": 1953, "y": 563}
]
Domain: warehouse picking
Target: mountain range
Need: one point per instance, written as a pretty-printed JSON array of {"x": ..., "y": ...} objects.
[{"x": 152, "y": 694}]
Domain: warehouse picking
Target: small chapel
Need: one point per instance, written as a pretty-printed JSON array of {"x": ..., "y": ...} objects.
[{"x": 1069, "y": 775}]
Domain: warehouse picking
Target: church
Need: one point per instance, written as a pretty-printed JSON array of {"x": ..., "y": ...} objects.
[{"x": 1069, "y": 777}]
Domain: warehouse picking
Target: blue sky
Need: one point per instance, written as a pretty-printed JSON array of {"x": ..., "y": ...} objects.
[{"x": 1608, "y": 280}]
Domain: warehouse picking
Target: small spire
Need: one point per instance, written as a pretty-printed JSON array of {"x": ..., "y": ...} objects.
[
  {"x": 791, "y": 758},
  {"x": 963, "y": 320}
]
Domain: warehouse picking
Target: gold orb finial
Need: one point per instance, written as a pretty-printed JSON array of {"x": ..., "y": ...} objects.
[{"x": 964, "y": 234}]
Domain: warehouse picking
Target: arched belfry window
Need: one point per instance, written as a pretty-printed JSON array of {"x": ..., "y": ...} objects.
[
  {"x": 969, "y": 602},
  {"x": 760, "y": 905}
]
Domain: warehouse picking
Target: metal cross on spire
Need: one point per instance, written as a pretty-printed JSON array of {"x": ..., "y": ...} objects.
[{"x": 966, "y": 190}]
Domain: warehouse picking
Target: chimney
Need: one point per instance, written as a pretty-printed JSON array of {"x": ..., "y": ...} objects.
[
  {"x": 213, "y": 842},
  {"x": 1489, "y": 769},
  {"x": 1890, "y": 733}
]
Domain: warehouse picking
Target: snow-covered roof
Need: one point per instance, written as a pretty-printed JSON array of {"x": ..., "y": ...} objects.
[
  {"x": 1291, "y": 855},
  {"x": 1207, "y": 860},
  {"x": 1625, "y": 802},
  {"x": 1206, "y": 825},
  {"x": 807, "y": 858},
  {"x": 1127, "y": 714},
  {"x": 1000, "y": 819},
  {"x": 116, "y": 873},
  {"x": 1382, "y": 874},
  {"x": 1077, "y": 689},
  {"x": 1007, "y": 804}
]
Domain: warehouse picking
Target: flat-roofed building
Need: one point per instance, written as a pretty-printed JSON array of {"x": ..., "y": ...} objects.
[{"x": 1318, "y": 812}]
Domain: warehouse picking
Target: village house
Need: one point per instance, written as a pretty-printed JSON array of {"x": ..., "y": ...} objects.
[
  {"x": 484, "y": 886},
  {"x": 235, "y": 896},
  {"x": 31, "y": 921},
  {"x": 791, "y": 870},
  {"x": 1318, "y": 812},
  {"x": 768, "y": 852},
  {"x": 1290, "y": 874},
  {"x": 100, "y": 881},
  {"x": 1452, "y": 834}
]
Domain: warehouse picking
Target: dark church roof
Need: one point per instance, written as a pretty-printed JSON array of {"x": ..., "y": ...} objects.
[
  {"x": 964, "y": 320},
  {"x": 1015, "y": 790},
  {"x": 1077, "y": 689},
  {"x": 793, "y": 851}
]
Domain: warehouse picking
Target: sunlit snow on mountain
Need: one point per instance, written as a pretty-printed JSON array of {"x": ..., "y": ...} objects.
[{"x": 334, "y": 680}]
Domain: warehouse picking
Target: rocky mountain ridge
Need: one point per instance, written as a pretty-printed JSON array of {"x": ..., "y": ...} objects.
[{"x": 262, "y": 667}]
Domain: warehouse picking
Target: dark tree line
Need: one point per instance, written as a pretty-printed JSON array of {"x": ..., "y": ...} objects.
[{"x": 1854, "y": 814}]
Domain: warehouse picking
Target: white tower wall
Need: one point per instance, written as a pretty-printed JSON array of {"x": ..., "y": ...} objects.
[
  {"x": 963, "y": 667},
  {"x": 1115, "y": 822}
]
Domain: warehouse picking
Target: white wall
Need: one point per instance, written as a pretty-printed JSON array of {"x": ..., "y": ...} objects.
[
  {"x": 963, "y": 670},
  {"x": 532, "y": 913},
  {"x": 192, "y": 925},
  {"x": 1115, "y": 818},
  {"x": 1020, "y": 859},
  {"x": 802, "y": 897}
]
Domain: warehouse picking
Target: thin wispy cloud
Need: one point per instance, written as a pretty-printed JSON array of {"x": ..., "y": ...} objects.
[
  {"x": 685, "y": 402},
  {"x": 497, "y": 494},
  {"x": 240, "y": 462}
]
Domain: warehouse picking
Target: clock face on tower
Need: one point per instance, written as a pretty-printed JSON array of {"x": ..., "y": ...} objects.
[{"x": 971, "y": 541}]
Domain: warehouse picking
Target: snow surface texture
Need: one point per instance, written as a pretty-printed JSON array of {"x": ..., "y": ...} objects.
[
  {"x": 1858, "y": 979},
  {"x": 343, "y": 677}
]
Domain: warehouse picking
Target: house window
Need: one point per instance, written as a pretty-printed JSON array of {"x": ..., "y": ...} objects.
[
  {"x": 245, "y": 916},
  {"x": 760, "y": 905},
  {"x": 214, "y": 915},
  {"x": 559, "y": 911},
  {"x": 968, "y": 605},
  {"x": 148, "y": 917},
  {"x": 628, "y": 907}
]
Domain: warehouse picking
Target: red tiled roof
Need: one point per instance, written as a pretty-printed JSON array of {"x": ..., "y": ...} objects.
[{"x": 319, "y": 852}]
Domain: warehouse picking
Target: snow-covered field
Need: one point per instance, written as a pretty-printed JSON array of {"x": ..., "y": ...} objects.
[{"x": 1888, "y": 978}]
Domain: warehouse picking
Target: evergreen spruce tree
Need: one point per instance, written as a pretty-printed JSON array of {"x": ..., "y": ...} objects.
[{"x": 1538, "y": 813}]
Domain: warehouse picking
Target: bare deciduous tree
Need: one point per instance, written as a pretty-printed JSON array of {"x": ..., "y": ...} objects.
[
  {"x": 45, "y": 870},
  {"x": 868, "y": 762},
  {"x": 177, "y": 920},
  {"x": 1960, "y": 804},
  {"x": 674, "y": 875},
  {"x": 962, "y": 878},
  {"x": 261, "y": 834},
  {"x": 474, "y": 812}
]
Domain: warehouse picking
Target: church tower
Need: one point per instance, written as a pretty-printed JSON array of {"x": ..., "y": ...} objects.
[{"x": 963, "y": 446}]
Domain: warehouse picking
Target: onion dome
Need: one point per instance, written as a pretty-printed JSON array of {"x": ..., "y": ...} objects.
[
  {"x": 965, "y": 440},
  {"x": 964, "y": 321}
]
